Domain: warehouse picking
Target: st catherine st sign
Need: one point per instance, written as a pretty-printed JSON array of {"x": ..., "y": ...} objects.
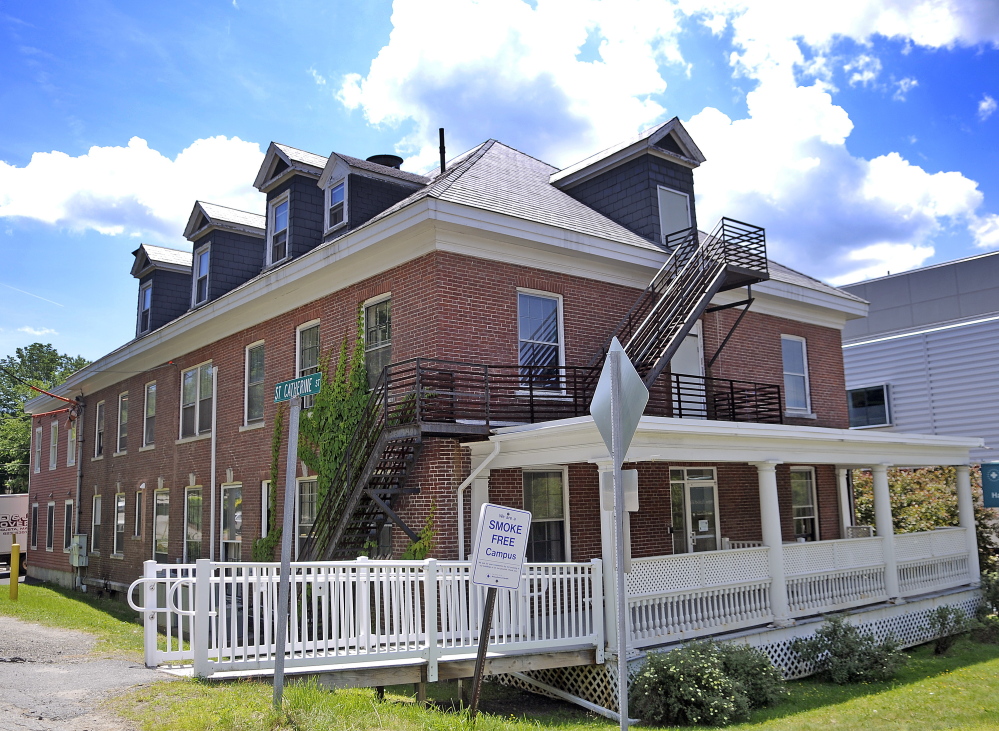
[{"x": 297, "y": 387}]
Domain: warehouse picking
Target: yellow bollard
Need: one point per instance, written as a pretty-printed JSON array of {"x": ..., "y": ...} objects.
[{"x": 15, "y": 570}]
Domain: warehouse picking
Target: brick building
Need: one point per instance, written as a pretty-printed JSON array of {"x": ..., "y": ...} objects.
[{"x": 489, "y": 292}]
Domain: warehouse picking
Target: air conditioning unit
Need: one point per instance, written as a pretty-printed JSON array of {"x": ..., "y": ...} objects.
[
  {"x": 860, "y": 531},
  {"x": 78, "y": 550}
]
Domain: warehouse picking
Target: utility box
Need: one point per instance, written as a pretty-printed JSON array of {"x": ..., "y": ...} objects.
[{"x": 78, "y": 550}]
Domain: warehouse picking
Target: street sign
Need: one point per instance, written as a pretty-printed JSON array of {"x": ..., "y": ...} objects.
[
  {"x": 500, "y": 546},
  {"x": 634, "y": 397},
  {"x": 296, "y": 387},
  {"x": 990, "y": 484}
]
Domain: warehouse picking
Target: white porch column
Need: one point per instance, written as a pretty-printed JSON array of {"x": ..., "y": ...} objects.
[
  {"x": 773, "y": 538},
  {"x": 966, "y": 514},
  {"x": 607, "y": 555},
  {"x": 845, "y": 515},
  {"x": 886, "y": 530}
]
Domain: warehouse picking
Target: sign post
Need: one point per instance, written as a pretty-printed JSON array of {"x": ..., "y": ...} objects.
[
  {"x": 990, "y": 484},
  {"x": 292, "y": 391},
  {"x": 617, "y": 406},
  {"x": 497, "y": 563}
]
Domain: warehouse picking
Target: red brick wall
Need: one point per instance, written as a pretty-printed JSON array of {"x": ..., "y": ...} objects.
[{"x": 58, "y": 486}]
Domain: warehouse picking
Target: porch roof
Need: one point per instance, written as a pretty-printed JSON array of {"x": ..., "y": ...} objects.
[{"x": 693, "y": 440}]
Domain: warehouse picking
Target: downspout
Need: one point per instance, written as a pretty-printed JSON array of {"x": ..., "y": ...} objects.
[
  {"x": 211, "y": 523},
  {"x": 461, "y": 497}
]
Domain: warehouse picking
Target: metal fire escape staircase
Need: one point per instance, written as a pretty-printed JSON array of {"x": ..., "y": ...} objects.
[{"x": 388, "y": 439}]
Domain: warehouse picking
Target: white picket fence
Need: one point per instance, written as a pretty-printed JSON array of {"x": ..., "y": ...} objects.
[{"x": 222, "y": 616}]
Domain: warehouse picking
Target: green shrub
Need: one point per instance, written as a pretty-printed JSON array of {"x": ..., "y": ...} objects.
[
  {"x": 705, "y": 683},
  {"x": 990, "y": 592},
  {"x": 985, "y": 630},
  {"x": 843, "y": 654},
  {"x": 947, "y": 624}
]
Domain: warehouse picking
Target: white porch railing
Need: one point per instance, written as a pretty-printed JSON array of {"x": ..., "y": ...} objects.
[
  {"x": 826, "y": 575},
  {"x": 222, "y": 616},
  {"x": 932, "y": 560}
]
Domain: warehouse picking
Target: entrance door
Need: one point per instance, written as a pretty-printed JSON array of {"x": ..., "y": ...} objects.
[
  {"x": 686, "y": 371},
  {"x": 694, "y": 502}
]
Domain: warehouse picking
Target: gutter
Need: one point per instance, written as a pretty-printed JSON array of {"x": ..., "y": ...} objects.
[{"x": 461, "y": 497}]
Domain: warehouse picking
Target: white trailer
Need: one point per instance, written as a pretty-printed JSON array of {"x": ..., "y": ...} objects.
[{"x": 13, "y": 525}]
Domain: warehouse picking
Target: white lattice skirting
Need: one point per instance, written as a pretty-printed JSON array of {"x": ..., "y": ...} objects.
[{"x": 907, "y": 623}]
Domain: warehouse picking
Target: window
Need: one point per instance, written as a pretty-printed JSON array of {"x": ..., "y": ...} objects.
[
  {"x": 192, "y": 524},
  {"x": 196, "y": 401},
  {"x": 161, "y": 525},
  {"x": 278, "y": 248},
  {"x": 674, "y": 211},
  {"x": 34, "y": 525},
  {"x": 50, "y": 526},
  {"x": 377, "y": 338},
  {"x": 869, "y": 406},
  {"x": 149, "y": 416},
  {"x": 71, "y": 444},
  {"x": 137, "y": 526},
  {"x": 336, "y": 212},
  {"x": 232, "y": 522},
  {"x": 539, "y": 326},
  {"x": 306, "y": 511},
  {"x": 544, "y": 496},
  {"x": 38, "y": 449},
  {"x": 806, "y": 525},
  {"x": 255, "y": 384},
  {"x": 308, "y": 355},
  {"x": 145, "y": 306},
  {"x": 119, "y": 524},
  {"x": 122, "y": 422},
  {"x": 201, "y": 260},
  {"x": 67, "y": 525},
  {"x": 99, "y": 436},
  {"x": 694, "y": 509},
  {"x": 265, "y": 507},
  {"x": 796, "y": 396},
  {"x": 95, "y": 526},
  {"x": 53, "y": 445}
]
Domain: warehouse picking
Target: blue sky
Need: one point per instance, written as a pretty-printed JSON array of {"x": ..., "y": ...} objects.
[{"x": 863, "y": 135}]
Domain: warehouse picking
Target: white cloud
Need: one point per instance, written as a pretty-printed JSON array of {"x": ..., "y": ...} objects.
[
  {"x": 133, "y": 190},
  {"x": 37, "y": 332},
  {"x": 903, "y": 87},
  {"x": 317, "y": 77},
  {"x": 986, "y": 107},
  {"x": 865, "y": 70},
  {"x": 878, "y": 260},
  {"x": 985, "y": 229}
]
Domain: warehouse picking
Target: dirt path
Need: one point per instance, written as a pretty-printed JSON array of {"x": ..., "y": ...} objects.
[{"x": 50, "y": 680}]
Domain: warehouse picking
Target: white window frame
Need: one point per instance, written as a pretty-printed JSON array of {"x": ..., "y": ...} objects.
[
  {"x": 298, "y": 506},
  {"x": 67, "y": 525},
  {"x": 328, "y": 205},
  {"x": 137, "y": 525},
  {"x": 567, "y": 528},
  {"x": 371, "y": 302},
  {"x": 143, "y": 290},
  {"x": 247, "y": 384},
  {"x": 265, "y": 506},
  {"x": 222, "y": 528},
  {"x": 99, "y": 430},
  {"x": 195, "y": 278},
  {"x": 271, "y": 210},
  {"x": 197, "y": 401},
  {"x": 96, "y": 506},
  {"x": 50, "y": 526},
  {"x": 561, "y": 332},
  {"x": 187, "y": 491},
  {"x": 662, "y": 223},
  {"x": 148, "y": 443},
  {"x": 797, "y": 410},
  {"x": 121, "y": 441},
  {"x": 886, "y": 388},
  {"x": 306, "y": 400},
  {"x": 71, "y": 443},
  {"x": 815, "y": 497},
  {"x": 33, "y": 527},
  {"x": 38, "y": 450},
  {"x": 118, "y": 544},
  {"x": 54, "y": 444},
  {"x": 152, "y": 542}
]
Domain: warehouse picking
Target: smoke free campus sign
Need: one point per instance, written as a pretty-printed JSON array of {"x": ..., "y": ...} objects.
[{"x": 500, "y": 545}]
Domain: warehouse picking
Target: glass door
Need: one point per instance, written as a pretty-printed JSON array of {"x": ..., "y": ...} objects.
[{"x": 694, "y": 502}]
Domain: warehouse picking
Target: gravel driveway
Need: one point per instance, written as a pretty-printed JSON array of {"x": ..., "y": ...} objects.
[{"x": 50, "y": 680}]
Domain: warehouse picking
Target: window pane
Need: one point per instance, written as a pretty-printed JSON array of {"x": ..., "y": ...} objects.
[
  {"x": 67, "y": 526},
  {"x": 794, "y": 392},
  {"x": 378, "y": 324},
  {"x": 538, "y": 318},
  {"x": 189, "y": 387},
  {"x": 119, "y": 523},
  {"x": 281, "y": 216},
  {"x": 149, "y": 430},
  {"x": 122, "y": 422},
  {"x": 49, "y": 527},
  {"x": 232, "y": 514},
  {"x": 308, "y": 350},
  {"x": 306, "y": 510},
  {"x": 794, "y": 356},
  {"x": 192, "y": 525},
  {"x": 161, "y": 525},
  {"x": 255, "y": 403},
  {"x": 546, "y": 542},
  {"x": 203, "y": 264},
  {"x": 256, "y": 365}
]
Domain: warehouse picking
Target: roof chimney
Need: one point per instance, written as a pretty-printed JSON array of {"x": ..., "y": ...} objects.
[
  {"x": 441, "y": 132},
  {"x": 389, "y": 161}
]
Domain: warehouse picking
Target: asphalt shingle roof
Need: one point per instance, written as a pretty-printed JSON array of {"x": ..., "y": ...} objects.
[
  {"x": 781, "y": 273},
  {"x": 161, "y": 255},
  {"x": 302, "y": 156},
  {"x": 232, "y": 215},
  {"x": 356, "y": 162}
]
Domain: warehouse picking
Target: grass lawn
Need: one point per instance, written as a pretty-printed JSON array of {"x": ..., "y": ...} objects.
[{"x": 959, "y": 690}]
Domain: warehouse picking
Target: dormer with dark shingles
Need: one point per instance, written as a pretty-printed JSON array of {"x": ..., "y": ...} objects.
[
  {"x": 164, "y": 286},
  {"x": 355, "y": 190},
  {"x": 645, "y": 184},
  {"x": 294, "y": 216},
  {"x": 228, "y": 250}
]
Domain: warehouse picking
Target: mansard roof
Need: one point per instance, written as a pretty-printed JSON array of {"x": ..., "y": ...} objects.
[
  {"x": 207, "y": 216},
  {"x": 149, "y": 257}
]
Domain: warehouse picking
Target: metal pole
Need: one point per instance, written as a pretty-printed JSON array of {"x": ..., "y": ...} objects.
[
  {"x": 622, "y": 604},
  {"x": 480, "y": 657},
  {"x": 284, "y": 585}
]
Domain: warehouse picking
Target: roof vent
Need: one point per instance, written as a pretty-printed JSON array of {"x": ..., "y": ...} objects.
[{"x": 389, "y": 161}]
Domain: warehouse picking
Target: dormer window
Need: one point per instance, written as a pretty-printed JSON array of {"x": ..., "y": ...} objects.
[
  {"x": 277, "y": 248},
  {"x": 145, "y": 306},
  {"x": 336, "y": 209},
  {"x": 201, "y": 264}
]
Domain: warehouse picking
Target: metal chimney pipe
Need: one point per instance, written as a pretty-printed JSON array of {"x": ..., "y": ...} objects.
[{"x": 441, "y": 133}]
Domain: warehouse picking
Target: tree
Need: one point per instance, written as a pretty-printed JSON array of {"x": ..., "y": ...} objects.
[
  {"x": 923, "y": 499},
  {"x": 42, "y": 366}
]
